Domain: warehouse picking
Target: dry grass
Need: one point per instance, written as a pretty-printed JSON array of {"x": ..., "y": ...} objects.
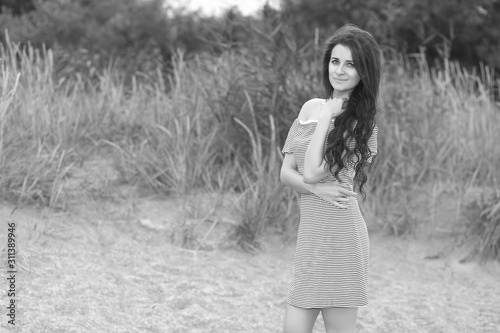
[{"x": 438, "y": 134}]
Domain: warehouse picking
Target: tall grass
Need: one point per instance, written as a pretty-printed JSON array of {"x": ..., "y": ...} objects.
[
  {"x": 48, "y": 122},
  {"x": 260, "y": 202},
  {"x": 439, "y": 132},
  {"x": 32, "y": 161}
]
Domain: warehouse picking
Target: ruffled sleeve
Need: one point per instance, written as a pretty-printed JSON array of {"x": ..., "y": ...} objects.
[
  {"x": 292, "y": 134},
  {"x": 372, "y": 144}
]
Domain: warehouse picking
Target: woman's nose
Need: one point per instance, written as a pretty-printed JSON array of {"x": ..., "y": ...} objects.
[{"x": 339, "y": 69}]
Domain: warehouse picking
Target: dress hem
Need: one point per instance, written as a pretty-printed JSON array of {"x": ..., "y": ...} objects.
[{"x": 326, "y": 306}]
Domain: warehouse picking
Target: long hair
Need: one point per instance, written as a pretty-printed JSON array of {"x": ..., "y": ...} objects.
[{"x": 356, "y": 123}]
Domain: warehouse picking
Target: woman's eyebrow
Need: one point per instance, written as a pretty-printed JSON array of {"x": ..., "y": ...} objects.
[{"x": 333, "y": 58}]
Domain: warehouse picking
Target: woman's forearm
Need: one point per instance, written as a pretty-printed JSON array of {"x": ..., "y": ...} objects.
[
  {"x": 314, "y": 163},
  {"x": 293, "y": 179}
]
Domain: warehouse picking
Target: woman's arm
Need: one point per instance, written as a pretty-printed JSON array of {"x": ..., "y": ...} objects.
[
  {"x": 291, "y": 177},
  {"x": 330, "y": 192},
  {"x": 315, "y": 167}
]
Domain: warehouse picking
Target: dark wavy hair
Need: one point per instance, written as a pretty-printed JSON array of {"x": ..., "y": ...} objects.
[{"x": 357, "y": 122}]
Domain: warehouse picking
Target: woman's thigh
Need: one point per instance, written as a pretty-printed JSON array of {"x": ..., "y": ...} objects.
[
  {"x": 340, "y": 320},
  {"x": 299, "y": 320}
]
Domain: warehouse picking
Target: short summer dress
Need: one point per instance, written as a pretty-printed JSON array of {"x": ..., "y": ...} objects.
[{"x": 332, "y": 253}]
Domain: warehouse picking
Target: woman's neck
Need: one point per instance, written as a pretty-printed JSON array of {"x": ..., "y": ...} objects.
[{"x": 340, "y": 94}]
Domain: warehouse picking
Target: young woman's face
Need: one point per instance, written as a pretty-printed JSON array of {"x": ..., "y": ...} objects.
[{"x": 342, "y": 71}]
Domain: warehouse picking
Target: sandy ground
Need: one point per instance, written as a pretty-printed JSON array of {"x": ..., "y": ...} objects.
[{"x": 107, "y": 264}]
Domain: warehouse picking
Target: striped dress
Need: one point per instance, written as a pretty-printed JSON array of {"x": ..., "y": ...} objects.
[{"x": 332, "y": 252}]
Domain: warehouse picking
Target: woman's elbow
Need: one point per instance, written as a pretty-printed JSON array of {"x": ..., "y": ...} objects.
[
  {"x": 308, "y": 175},
  {"x": 309, "y": 180},
  {"x": 313, "y": 176}
]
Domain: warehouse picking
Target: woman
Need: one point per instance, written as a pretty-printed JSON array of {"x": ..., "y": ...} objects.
[{"x": 326, "y": 154}]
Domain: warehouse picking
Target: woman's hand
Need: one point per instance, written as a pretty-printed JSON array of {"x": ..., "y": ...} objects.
[
  {"x": 333, "y": 108},
  {"x": 333, "y": 193}
]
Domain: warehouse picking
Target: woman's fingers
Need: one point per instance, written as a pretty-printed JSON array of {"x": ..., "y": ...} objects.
[
  {"x": 339, "y": 205},
  {"x": 336, "y": 188},
  {"x": 342, "y": 202},
  {"x": 347, "y": 192},
  {"x": 335, "y": 194},
  {"x": 338, "y": 201}
]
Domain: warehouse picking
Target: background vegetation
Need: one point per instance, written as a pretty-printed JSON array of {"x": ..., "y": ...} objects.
[{"x": 191, "y": 103}]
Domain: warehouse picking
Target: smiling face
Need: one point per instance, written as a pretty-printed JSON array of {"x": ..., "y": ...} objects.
[{"x": 342, "y": 72}]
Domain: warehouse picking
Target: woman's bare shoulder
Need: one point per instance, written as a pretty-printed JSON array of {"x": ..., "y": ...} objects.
[{"x": 308, "y": 110}]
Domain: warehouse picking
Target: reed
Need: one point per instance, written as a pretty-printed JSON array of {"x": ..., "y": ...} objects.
[
  {"x": 260, "y": 202},
  {"x": 32, "y": 162},
  {"x": 49, "y": 122}
]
